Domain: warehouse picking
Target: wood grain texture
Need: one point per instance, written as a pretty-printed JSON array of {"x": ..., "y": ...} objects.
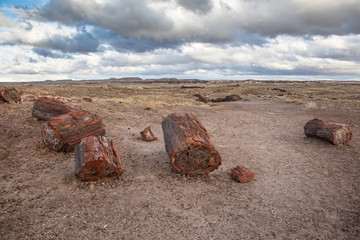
[
  {"x": 10, "y": 94},
  {"x": 188, "y": 144},
  {"x": 45, "y": 108},
  {"x": 64, "y": 132},
  {"x": 338, "y": 134},
  {"x": 97, "y": 158}
]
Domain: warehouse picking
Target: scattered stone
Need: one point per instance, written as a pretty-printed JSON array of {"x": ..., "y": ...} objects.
[
  {"x": 64, "y": 132},
  {"x": 97, "y": 158},
  {"x": 147, "y": 108},
  {"x": 242, "y": 174},
  {"x": 86, "y": 99},
  {"x": 10, "y": 94},
  {"x": 45, "y": 108},
  {"x": 188, "y": 144},
  {"x": 338, "y": 134},
  {"x": 147, "y": 135}
]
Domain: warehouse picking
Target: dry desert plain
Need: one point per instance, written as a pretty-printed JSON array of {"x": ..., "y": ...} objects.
[{"x": 304, "y": 188}]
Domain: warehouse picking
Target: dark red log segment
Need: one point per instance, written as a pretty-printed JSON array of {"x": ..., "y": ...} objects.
[
  {"x": 230, "y": 98},
  {"x": 45, "y": 108},
  {"x": 147, "y": 135},
  {"x": 188, "y": 144},
  {"x": 10, "y": 94},
  {"x": 242, "y": 174},
  {"x": 97, "y": 158},
  {"x": 338, "y": 134},
  {"x": 64, "y": 132}
]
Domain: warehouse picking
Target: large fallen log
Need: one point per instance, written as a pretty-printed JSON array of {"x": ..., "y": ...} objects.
[
  {"x": 338, "y": 134},
  {"x": 10, "y": 94},
  {"x": 97, "y": 158},
  {"x": 45, "y": 108},
  {"x": 188, "y": 144},
  {"x": 64, "y": 132}
]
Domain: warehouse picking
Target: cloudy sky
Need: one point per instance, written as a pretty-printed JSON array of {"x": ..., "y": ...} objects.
[{"x": 205, "y": 39}]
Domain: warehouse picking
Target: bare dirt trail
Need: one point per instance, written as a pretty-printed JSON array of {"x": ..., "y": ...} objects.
[{"x": 303, "y": 189}]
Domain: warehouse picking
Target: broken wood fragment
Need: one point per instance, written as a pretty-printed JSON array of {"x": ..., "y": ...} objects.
[
  {"x": 242, "y": 174},
  {"x": 147, "y": 135},
  {"x": 201, "y": 98},
  {"x": 10, "y": 94},
  {"x": 45, "y": 108},
  {"x": 230, "y": 98},
  {"x": 338, "y": 134},
  {"x": 64, "y": 132},
  {"x": 97, "y": 158},
  {"x": 188, "y": 144}
]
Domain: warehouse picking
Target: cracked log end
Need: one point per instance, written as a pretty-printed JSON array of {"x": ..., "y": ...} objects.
[
  {"x": 10, "y": 94},
  {"x": 45, "y": 108},
  {"x": 97, "y": 158},
  {"x": 338, "y": 134},
  {"x": 188, "y": 145},
  {"x": 64, "y": 132},
  {"x": 242, "y": 174},
  {"x": 147, "y": 135}
]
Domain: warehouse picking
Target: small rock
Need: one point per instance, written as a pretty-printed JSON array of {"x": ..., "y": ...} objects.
[
  {"x": 147, "y": 135},
  {"x": 86, "y": 99},
  {"x": 242, "y": 174}
]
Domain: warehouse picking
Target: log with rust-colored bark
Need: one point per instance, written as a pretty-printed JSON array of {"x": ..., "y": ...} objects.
[
  {"x": 147, "y": 135},
  {"x": 64, "y": 132},
  {"x": 10, "y": 94},
  {"x": 97, "y": 158},
  {"x": 45, "y": 108},
  {"x": 242, "y": 174},
  {"x": 338, "y": 134},
  {"x": 188, "y": 144}
]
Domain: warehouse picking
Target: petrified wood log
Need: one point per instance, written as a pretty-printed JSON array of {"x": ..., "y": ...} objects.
[
  {"x": 63, "y": 132},
  {"x": 338, "y": 134},
  {"x": 147, "y": 135},
  {"x": 97, "y": 158},
  {"x": 201, "y": 98},
  {"x": 188, "y": 144},
  {"x": 242, "y": 174},
  {"x": 230, "y": 98},
  {"x": 45, "y": 108},
  {"x": 10, "y": 94}
]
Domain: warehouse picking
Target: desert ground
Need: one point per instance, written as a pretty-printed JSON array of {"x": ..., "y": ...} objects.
[{"x": 304, "y": 188}]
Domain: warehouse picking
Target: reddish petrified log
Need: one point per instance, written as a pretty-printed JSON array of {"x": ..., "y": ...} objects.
[
  {"x": 230, "y": 98},
  {"x": 10, "y": 94},
  {"x": 201, "y": 98},
  {"x": 338, "y": 134},
  {"x": 45, "y": 108},
  {"x": 97, "y": 158},
  {"x": 63, "y": 132},
  {"x": 188, "y": 144},
  {"x": 242, "y": 174},
  {"x": 147, "y": 135}
]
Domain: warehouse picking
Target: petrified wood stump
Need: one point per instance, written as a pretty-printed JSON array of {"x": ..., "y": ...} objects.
[
  {"x": 188, "y": 144},
  {"x": 63, "y": 132},
  {"x": 97, "y": 158},
  {"x": 147, "y": 135},
  {"x": 45, "y": 108},
  {"x": 10, "y": 94},
  {"x": 338, "y": 134},
  {"x": 242, "y": 174}
]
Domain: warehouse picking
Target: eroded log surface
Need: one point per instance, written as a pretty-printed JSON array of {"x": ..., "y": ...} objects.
[
  {"x": 188, "y": 144},
  {"x": 10, "y": 94},
  {"x": 45, "y": 108},
  {"x": 242, "y": 174},
  {"x": 97, "y": 158},
  {"x": 338, "y": 134},
  {"x": 64, "y": 132}
]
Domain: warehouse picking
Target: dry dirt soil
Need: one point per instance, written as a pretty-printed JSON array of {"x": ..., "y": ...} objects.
[{"x": 304, "y": 188}]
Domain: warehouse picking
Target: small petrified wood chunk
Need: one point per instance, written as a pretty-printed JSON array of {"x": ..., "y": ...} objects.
[
  {"x": 338, "y": 134},
  {"x": 45, "y": 108},
  {"x": 97, "y": 158},
  {"x": 64, "y": 132},
  {"x": 147, "y": 135},
  {"x": 201, "y": 98},
  {"x": 242, "y": 174},
  {"x": 10, "y": 94},
  {"x": 188, "y": 144}
]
